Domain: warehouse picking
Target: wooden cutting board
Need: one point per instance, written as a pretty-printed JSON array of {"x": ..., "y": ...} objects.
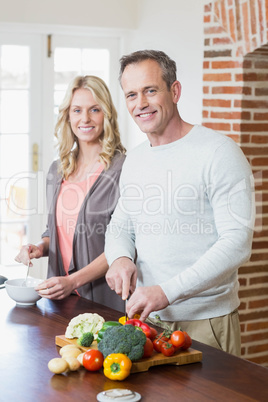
[{"x": 179, "y": 358}]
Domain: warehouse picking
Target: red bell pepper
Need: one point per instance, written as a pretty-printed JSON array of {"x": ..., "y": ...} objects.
[{"x": 137, "y": 323}]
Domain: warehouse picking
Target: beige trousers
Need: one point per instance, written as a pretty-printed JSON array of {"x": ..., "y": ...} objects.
[{"x": 220, "y": 332}]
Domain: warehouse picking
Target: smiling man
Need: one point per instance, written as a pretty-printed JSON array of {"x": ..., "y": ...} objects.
[
  {"x": 183, "y": 223},
  {"x": 153, "y": 103}
]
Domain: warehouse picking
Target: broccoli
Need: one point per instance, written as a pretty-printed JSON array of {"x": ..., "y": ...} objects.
[
  {"x": 86, "y": 339},
  {"x": 124, "y": 339}
]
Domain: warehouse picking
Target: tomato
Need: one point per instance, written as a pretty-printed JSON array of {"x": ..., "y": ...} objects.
[
  {"x": 188, "y": 341},
  {"x": 93, "y": 360},
  {"x": 153, "y": 333},
  {"x": 164, "y": 337},
  {"x": 167, "y": 349},
  {"x": 148, "y": 348},
  {"x": 157, "y": 343},
  {"x": 159, "y": 340},
  {"x": 177, "y": 339}
]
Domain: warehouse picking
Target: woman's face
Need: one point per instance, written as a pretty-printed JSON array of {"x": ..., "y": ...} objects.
[{"x": 86, "y": 116}]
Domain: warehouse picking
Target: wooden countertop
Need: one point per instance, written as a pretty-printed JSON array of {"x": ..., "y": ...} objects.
[{"x": 28, "y": 343}]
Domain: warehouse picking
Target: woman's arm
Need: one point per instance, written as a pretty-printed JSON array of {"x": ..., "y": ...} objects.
[
  {"x": 95, "y": 270},
  {"x": 59, "y": 287}
]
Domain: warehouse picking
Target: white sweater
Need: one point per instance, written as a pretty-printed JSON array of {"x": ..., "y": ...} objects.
[{"x": 188, "y": 208}]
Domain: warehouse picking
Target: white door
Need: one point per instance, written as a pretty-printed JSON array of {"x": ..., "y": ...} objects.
[
  {"x": 34, "y": 73},
  {"x": 77, "y": 55},
  {"x": 20, "y": 134}
]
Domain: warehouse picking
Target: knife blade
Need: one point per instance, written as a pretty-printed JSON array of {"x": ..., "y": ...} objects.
[{"x": 126, "y": 317}]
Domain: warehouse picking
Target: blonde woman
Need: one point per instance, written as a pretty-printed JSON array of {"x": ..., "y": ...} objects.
[{"x": 82, "y": 192}]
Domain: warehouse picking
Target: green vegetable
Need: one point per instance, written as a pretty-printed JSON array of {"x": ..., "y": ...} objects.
[
  {"x": 86, "y": 339},
  {"x": 124, "y": 339},
  {"x": 107, "y": 324}
]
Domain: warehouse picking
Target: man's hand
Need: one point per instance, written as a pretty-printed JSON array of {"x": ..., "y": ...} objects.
[
  {"x": 145, "y": 300},
  {"x": 122, "y": 277}
]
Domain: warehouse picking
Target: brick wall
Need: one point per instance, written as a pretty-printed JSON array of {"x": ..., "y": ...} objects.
[{"x": 235, "y": 102}]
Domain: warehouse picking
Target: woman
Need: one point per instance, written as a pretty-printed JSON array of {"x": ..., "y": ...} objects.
[{"x": 82, "y": 191}]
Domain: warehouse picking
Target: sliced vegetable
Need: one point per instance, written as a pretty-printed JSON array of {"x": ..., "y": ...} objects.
[
  {"x": 123, "y": 319},
  {"x": 117, "y": 366},
  {"x": 107, "y": 324}
]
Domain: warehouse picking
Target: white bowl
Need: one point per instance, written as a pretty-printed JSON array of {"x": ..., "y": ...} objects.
[{"x": 24, "y": 295}]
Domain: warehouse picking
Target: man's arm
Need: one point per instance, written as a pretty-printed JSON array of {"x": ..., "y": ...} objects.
[
  {"x": 120, "y": 253},
  {"x": 230, "y": 191}
]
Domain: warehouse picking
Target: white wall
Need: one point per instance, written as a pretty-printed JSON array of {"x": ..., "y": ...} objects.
[
  {"x": 176, "y": 27},
  {"x": 97, "y": 13}
]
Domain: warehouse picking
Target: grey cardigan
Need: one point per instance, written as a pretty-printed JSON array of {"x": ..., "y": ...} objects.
[{"x": 89, "y": 236}]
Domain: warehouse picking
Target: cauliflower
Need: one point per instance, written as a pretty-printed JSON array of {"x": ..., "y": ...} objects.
[{"x": 87, "y": 322}]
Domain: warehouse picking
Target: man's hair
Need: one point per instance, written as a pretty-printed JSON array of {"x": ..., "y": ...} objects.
[{"x": 167, "y": 65}]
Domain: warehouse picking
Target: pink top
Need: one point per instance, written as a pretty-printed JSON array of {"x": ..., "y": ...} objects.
[{"x": 70, "y": 200}]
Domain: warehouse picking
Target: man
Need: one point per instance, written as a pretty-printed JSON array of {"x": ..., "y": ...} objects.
[{"x": 183, "y": 223}]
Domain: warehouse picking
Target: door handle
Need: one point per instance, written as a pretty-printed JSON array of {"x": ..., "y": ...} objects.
[{"x": 35, "y": 158}]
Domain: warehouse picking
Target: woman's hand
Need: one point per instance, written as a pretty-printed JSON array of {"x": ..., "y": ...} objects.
[
  {"x": 29, "y": 252},
  {"x": 56, "y": 288}
]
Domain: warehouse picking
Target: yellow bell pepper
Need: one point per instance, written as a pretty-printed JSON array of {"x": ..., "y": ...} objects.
[
  {"x": 123, "y": 319},
  {"x": 117, "y": 366}
]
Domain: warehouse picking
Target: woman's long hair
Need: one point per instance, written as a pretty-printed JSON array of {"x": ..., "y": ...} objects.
[{"x": 68, "y": 146}]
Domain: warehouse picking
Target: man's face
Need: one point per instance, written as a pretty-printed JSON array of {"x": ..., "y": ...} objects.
[{"x": 148, "y": 100}]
